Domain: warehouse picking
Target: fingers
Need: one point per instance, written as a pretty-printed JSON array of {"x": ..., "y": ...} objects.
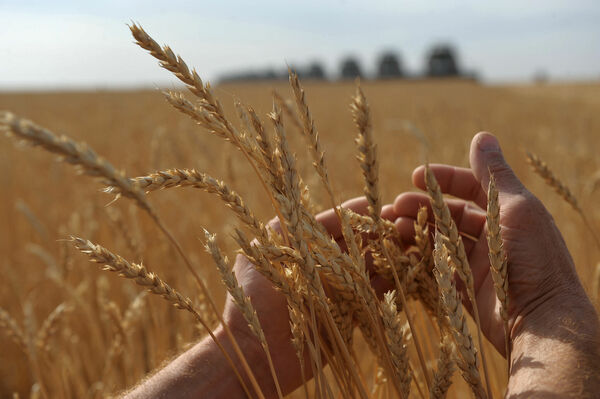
[
  {"x": 485, "y": 158},
  {"x": 469, "y": 218},
  {"x": 360, "y": 205},
  {"x": 458, "y": 182},
  {"x": 387, "y": 212},
  {"x": 330, "y": 220}
]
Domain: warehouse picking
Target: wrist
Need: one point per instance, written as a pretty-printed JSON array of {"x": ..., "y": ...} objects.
[
  {"x": 253, "y": 354},
  {"x": 555, "y": 350},
  {"x": 562, "y": 314},
  {"x": 245, "y": 339}
]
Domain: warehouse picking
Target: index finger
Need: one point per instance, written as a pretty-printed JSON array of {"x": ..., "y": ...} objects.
[
  {"x": 458, "y": 182},
  {"x": 329, "y": 218}
]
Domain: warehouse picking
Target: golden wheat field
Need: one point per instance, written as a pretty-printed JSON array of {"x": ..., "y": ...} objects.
[{"x": 105, "y": 335}]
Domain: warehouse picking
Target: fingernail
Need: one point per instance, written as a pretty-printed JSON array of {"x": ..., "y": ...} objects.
[{"x": 488, "y": 143}]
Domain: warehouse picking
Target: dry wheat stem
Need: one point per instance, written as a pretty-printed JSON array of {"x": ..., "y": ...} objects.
[
  {"x": 91, "y": 164},
  {"x": 154, "y": 284},
  {"x": 498, "y": 260},
  {"x": 442, "y": 379},
  {"x": 191, "y": 178},
  {"x": 367, "y": 155},
  {"x": 368, "y": 163},
  {"x": 312, "y": 136},
  {"x": 541, "y": 168},
  {"x": 298, "y": 340},
  {"x": 396, "y": 340},
  {"x": 290, "y": 207},
  {"x": 208, "y": 103},
  {"x": 79, "y": 154},
  {"x": 241, "y": 300},
  {"x": 50, "y": 325},
  {"x": 286, "y": 106},
  {"x": 292, "y": 211},
  {"x": 203, "y": 287},
  {"x": 12, "y": 330},
  {"x": 116, "y": 218},
  {"x": 368, "y": 315},
  {"x": 456, "y": 250},
  {"x": 460, "y": 331}
]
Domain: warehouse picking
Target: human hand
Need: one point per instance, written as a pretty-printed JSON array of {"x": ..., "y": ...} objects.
[
  {"x": 271, "y": 307},
  {"x": 541, "y": 271}
]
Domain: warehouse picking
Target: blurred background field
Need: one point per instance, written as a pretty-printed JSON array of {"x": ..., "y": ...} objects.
[
  {"x": 44, "y": 201},
  {"x": 433, "y": 73}
]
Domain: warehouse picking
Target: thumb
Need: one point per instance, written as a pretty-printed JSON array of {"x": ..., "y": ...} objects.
[{"x": 485, "y": 158}]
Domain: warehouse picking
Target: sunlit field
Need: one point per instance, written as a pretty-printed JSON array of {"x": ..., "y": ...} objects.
[{"x": 109, "y": 337}]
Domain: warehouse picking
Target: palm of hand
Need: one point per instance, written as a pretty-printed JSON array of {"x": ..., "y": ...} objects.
[{"x": 539, "y": 264}]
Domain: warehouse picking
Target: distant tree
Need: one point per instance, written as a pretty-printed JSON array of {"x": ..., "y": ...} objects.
[
  {"x": 315, "y": 71},
  {"x": 540, "y": 77},
  {"x": 270, "y": 74},
  {"x": 389, "y": 66},
  {"x": 350, "y": 69},
  {"x": 441, "y": 61}
]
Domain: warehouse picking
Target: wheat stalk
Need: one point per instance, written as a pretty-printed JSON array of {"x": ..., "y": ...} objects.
[
  {"x": 312, "y": 135},
  {"x": 50, "y": 325},
  {"x": 241, "y": 300},
  {"x": 397, "y": 341},
  {"x": 541, "y": 168},
  {"x": 90, "y": 163},
  {"x": 12, "y": 330},
  {"x": 286, "y": 106},
  {"x": 79, "y": 154},
  {"x": 498, "y": 259},
  {"x": 209, "y": 108},
  {"x": 442, "y": 379},
  {"x": 191, "y": 178},
  {"x": 291, "y": 207},
  {"x": 456, "y": 250},
  {"x": 460, "y": 331},
  {"x": 150, "y": 281},
  {"x": 367, "y": 155},
  {"x": 368, "y": 162}
]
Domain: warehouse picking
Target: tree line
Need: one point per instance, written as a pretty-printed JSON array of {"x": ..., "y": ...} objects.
[{"x": 441, "y": 61}]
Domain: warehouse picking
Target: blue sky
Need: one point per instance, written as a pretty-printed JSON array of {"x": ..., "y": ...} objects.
[{"x": 64, "y": 43}]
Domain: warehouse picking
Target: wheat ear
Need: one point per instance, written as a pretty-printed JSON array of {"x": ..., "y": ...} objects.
[
  {"x": 456, "y": 250},
  {"x": 12, "y": 329},
  {"x": 286, "y": 106},
  {"x": 50, "y": 325},
  {"x": 458, "y": 323},
  {"x": 91, "y": 164},
  {"x": 367, "y": 152},
  {"x": 141, "y": 276},
  {"x": 191, "y": 178},
  {"x": 86, "y": 159},
  {"x": 312, "y": 136},
  {"x": 541, "y": 169},
  {"x": 83, "y": 157},
  {"x": 298, "y": 341},
  {"x": 396, "y": 341},
  {"x": 208, "y": 106},
  {"x": 442, "y": 379},
  {"x": 498, "y": 260},
  {"x": 292, "y": 210},
  {"x": 240, "y": 299},
  {"x": 368, "y": 162}
]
